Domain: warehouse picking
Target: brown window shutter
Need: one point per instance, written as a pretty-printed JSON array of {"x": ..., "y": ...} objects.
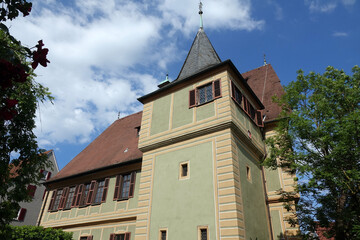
[
  {"x": 48, "y": 175},
  {"x": 73, "y": 201},
  {"x": 132, "y": 184},
  {"x": 91, "y": 192},
  {"x": 106, "y": 186},
  {"x": 112, "y": 236},
  {"x": 117, "y": 187},
  {"x": 127, "y": 236},
  {"x": 63, "y": 198},
  {"x": 79, "y": 195},
  {"x": 192, "y": 98},
  {"x": 31, "y": 190},
  {"x": 259, "y": 118},
  {"x": 52, "y": 200},
  {"x": 217, "y": 88},
  {"x": 22, "y": 213},
  {"x": 90, "y": 237}
]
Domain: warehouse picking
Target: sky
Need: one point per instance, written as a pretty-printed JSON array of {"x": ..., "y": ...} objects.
[{"x": 106, "y": 54}]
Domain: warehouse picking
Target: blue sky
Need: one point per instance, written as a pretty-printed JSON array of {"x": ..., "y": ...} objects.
[{"x": 104, "y": 56}]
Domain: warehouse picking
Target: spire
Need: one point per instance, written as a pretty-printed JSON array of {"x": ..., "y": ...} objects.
[
  {"x": 200, "y": 13},
  {"x": 201, "y": 55},
  {"x": 265, "y": 60}
]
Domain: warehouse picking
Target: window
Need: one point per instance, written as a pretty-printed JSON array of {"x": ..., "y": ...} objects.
[
  {"x": 101, "y": 191},
  {"x": 124, "y": 186},
  {"x": 184, "y": 170},
  {"x": 86, "y": 237},
  {"x": 21, "y": 214},
  {"x": 31, "y": 190},
  {"x": 205, "y": 93},
  {"x": 45, "y": 175},
  {"x": 69, "y": 198},
  {"x": 80, "y": 195},
  {"x": 244, "y": 103},
  {"x": 203, "y": 233},
  {"x": 138, "y": 130},
  {"x": 162, "y": 234},
  {"x": 122, "y": 236},
  {"x": 55, "y": 200},
  {"x": 248, "y": 173}
]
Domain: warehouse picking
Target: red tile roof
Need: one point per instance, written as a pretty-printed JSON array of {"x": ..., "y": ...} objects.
[
  {"x": 265, "y": 83},
  {"x": 117, "y": 144}
]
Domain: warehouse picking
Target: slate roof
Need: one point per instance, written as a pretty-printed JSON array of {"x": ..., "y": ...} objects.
[
  {"x": 117, "y": 144},
  {"x": 201, "y": 56},
  {"x": 265, "y": 83}
]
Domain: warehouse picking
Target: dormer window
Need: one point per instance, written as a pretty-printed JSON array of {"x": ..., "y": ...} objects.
[
  {"x": 205, "y": 93},
  {"x": 138, "y": 130}
]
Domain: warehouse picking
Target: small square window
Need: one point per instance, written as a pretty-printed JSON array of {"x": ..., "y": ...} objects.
[
  {"x": 248, "y": 173},
  {"x": 163, "y": 234},
  {"x": 203, "y": 233},
  {"x": 184, "y": 170}
]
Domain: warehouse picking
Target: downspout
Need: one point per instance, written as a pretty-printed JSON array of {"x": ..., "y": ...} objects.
[{"x": 266, "y": 197}]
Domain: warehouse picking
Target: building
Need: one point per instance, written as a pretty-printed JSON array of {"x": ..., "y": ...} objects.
[
  {"x": 186, "y": 167},
  {"x": 29, "y": 211}
]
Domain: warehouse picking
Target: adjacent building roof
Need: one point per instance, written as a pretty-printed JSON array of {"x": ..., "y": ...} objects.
[
  {"x": 201, "y": 56},
  {"x": 266, "y": 84},
  {"x": 117, "y": 144}
]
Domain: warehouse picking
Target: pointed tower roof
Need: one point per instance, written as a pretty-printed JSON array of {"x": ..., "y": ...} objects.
[{"x": 201, "y": 56}]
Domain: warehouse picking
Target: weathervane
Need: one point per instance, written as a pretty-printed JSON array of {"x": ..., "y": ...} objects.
[
  {"x": 265, "y": 59},
  {"x": 201, "y": 12}
]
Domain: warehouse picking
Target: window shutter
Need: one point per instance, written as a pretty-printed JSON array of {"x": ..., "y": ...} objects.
[
  {"x": 112, "y": 236},
  {"x": 117, "y": 187},
  {"x": 73, "y": 201},
  {"x": 48, "y": 175},
  {"x": 79, "y": 194},
  {"x": 127, "y": 236},
  {"x": 132, "y": 184},
  {"x": 63, "y": 198},
  {"x": 90, "y": 237},
  {"x": 106, "y": 186},
  {"x": 91, "y": 192},
  {"x": 31, "y": 190},
  {"x": 232, "y": 89},
  {"x": 21, "y": 214},
  {"x": 217, "y": 88},
  {"x": 192, "y": 98},
  {"x": 52, "y": 200},
  {"x": 259, "y": 118}
]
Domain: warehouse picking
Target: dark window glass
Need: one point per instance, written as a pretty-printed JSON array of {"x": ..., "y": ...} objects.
[
  {"x": 205, "y": 93},
  {"x": 120, "y": 237},
  {"x": 70, "y": 198},
  {"x": 99, "y": 191},
  {"x": 163, "y": 235},
  {"x": 83, "y": 238},
  {"x": 125, "y": 186},
  {"x": 184, "y": 170},
  {"x": 238, "y": 96},
  {"x": 203, "y": 234},
  {"x": 57, "y": 199}
]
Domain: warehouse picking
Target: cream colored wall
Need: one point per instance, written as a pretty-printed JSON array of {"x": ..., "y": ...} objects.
[{"x": 276, "y": 180}]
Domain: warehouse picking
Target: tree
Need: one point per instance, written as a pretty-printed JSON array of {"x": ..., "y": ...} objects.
[
  {"x": 37, "y": 233},
  {"x": 319, "y": 139},
  {"x": 20, "y": 158}
]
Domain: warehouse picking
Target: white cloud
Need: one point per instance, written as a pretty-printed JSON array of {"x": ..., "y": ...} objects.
[
  {"x": 324, "y": 6},
  {"x": 348, "y": 2},
  {"x": 340, "y": 34},
  {"x": 104, "y": 56}
]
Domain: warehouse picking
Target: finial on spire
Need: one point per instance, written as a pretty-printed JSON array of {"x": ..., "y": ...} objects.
[
  {"x": 200, "y": 13},
  {"x": 265, "y": 59}
]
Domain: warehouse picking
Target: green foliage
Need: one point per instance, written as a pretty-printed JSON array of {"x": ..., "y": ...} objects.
[
  {"x": 20, "y": 158},
  {"x": 34, "y": 233},
  {"x": 319, "y": 139}
]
